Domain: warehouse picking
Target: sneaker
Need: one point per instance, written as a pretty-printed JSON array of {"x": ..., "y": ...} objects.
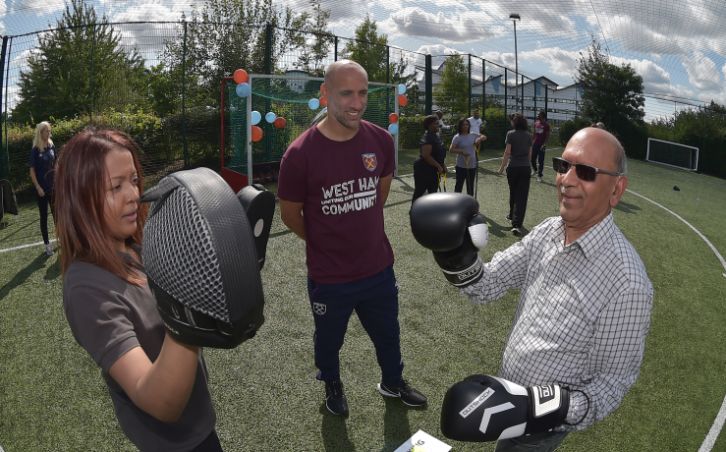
[
  {"x": 405, "y": 392},
  {"x": 539, "y": 178},
  {"x": 48, "y": 249},
  {"x": 516, "y": 231},
  {"x": 335, "y": 400},
  {"x": 534, "y": 171}
]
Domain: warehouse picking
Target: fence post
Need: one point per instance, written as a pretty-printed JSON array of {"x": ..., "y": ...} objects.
[
  {"x": 506, "y": 93},
  {"x": 185, "y": 145},
  {"x": 428, "y": 86},
  {"x": 4, "y": 158},
  {"x": 483, "y": 88},
  {"x": 269, "y": 35},
  {"x": 335, "y": 50},
  {"x": 468, "y": 92}
]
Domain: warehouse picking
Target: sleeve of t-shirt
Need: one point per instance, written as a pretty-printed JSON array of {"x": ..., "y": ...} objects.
[
  {"x": 390, "y": 152},
  {"x": 508, "y": 139},
  {"x": 293, "y": 172},
  {"x": 99, "y": 320}
]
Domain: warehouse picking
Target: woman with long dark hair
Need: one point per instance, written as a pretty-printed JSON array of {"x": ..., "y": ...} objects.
[{"x": 430, "y": 164}]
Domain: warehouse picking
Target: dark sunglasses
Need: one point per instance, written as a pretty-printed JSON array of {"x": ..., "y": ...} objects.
[{"x": 584, "y": 172}]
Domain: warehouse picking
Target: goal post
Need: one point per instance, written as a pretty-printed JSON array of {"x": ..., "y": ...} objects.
[
  {"x": 244, "y": 157},
  {"x": 672, "y": 154}
]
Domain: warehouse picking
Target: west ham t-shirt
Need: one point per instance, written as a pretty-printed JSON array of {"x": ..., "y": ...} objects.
[{"x": 339, "y": 184}]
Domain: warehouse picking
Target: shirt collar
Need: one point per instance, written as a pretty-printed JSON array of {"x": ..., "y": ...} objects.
[{"x": 591, "y": 241}]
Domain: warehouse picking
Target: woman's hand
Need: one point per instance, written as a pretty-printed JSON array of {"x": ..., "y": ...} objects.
[{"x": 41, "y": 192}]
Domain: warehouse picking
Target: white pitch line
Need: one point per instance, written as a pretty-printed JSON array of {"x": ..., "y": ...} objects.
[
  {"x": 20, "y": 247},
  {"x": 710, "y": 439}
]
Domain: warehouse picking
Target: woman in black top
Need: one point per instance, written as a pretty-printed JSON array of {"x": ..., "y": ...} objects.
[
  {"x": 430, "y": 164},
  {"x": 42, "y": 166}
]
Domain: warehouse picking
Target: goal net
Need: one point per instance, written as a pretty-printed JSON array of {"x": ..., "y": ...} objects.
[
  {"x": 672, "y": 154},
  {"x": 296, "y": 98}
]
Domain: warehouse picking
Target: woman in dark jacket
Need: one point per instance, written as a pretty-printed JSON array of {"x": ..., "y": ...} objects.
[
  {"x": 516, "y": 159},
  {"x": 430, "y": 164}
]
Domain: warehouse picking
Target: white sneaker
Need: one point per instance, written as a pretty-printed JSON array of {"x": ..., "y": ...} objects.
[
  {"x": 539, "y": 179},
  {"x": 48, "y": 249}
]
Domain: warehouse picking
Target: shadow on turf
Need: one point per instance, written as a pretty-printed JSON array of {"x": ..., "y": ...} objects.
[
  {"x": 626, "y": 207},
  {"x": 21, "y": 276},
  {"x": 396, "y": 428}
]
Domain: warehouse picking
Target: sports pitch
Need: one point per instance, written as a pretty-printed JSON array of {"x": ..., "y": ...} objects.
[{"x": 53, "y": 399}]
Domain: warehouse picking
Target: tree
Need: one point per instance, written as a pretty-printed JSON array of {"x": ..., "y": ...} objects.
[
  {"x": 611, "y": 94},
  {"x": 370, "y": 50},
  {"x": 79, "y": 68},
  {"x": 452, "y": 92},
  {"x": 229, "y": 34},
  {"x": 314, "y": 54}
]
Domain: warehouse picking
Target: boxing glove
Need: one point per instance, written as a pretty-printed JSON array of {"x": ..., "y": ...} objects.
[
  {"x": 449, "y": 224},
  {"x": 484, "y": 408}
]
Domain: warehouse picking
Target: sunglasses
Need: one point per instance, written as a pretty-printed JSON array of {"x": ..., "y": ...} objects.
[{"x": 584, "y": 172}]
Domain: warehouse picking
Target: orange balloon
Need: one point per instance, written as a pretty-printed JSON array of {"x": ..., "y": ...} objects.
[
  {"x": 393, "y": 118},
  {"x": 240, "y": 76},
  {"x": 323, "y": 101},
  {"x": 402, "y": 100},
  {"x": 257, "y": 133},
  {"x": 280, "y": 122}
]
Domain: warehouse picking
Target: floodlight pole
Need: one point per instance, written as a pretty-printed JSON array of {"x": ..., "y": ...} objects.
[{"x": 515, "y": 17}]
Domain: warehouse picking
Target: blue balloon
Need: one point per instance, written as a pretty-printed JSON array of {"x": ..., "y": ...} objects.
[
  {"x": 401, "y": 88},
  {"x": 393, "y": 128},
  {"x": 314, "y": 104},
  {"x": 256, "y": 117},
  {"x": 243, "y": 89},
  {"x": 270, "y": 117}
]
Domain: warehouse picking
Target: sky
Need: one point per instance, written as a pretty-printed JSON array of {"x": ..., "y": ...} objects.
[{"x": 677, "y": 46}]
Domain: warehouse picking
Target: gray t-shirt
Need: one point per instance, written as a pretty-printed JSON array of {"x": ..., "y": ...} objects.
[
  {"x": 108, "y": 317},
  {"x": 466, "y": 143},
  {"x": 521, "y": 141}
]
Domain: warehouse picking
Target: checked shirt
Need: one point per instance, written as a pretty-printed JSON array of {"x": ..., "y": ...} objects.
[{"x": 582, "y": 318}]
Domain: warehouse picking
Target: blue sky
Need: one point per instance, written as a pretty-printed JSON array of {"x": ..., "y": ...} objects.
[{"x": 677, "y": 46}]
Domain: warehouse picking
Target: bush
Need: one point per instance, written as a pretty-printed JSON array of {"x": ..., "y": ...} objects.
[{"x": 569, "y": 128}]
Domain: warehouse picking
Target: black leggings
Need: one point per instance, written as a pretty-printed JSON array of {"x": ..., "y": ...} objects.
[
  {"x": 425, "y": 180},
  {"x": 43, "y": 203},
  {"x": 463, "y": 174},
  {"x": 518, "y": 178}
]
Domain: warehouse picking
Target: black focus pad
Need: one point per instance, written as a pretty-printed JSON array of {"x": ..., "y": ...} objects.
[
  {"x": 259, "y": 204},
  {"x": 200, "y": 259}
]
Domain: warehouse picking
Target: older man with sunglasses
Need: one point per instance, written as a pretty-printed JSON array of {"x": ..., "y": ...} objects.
[{"x": 584, "y": 305}]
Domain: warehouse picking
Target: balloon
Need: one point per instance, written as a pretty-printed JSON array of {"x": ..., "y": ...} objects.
[
  {"x": 280, "y": 122},
  {"x": 393, "y": 118},
  {"x": 402, "y": 100},
  {"x": 256, "y": 117},
  {"x": 240, "y": 76},
  {"x": 243, "y": 89},
  {"x": 270, "y": 117},
  {"x": 323, "y": 101},
  {"x": 393, "y": 128},
  {"x": 257, "y": 133},
  {"x": 314, "y": 104},
  {"x": 401, "y": 88}
]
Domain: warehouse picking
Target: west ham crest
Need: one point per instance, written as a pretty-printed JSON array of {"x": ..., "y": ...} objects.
[
  {"x": 319, "y": 308},
  {"x": 369, "y": 161}
]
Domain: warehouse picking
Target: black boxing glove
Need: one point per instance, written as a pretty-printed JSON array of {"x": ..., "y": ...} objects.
[{"x": 449, "y": 224}]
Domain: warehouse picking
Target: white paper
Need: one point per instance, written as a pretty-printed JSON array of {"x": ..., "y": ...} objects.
[{"x": 423, "y": 442}]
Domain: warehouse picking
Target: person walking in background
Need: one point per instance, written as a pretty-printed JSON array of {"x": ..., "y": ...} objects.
[
  {"x": 464, "y": 145},
  {"x": 430, "y": 163},
  {"x": 516, "y": 160},
  {"x": 475, "y": 123},
  {"x": 541, "y": 135},
  {"x": 42, "y": 169},
  {"x": 334, "y": 180}
]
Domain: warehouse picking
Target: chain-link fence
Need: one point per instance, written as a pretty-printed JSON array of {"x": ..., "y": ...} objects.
[{"x": 166, "y": 94}]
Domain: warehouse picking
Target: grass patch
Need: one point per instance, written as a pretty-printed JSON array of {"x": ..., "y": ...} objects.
[{"x": 52, "y": 396}]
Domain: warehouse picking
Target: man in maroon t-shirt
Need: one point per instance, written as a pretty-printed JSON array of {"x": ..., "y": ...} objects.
[
  {"x": 334, "y": 180},
  {"x": 541, "y": 134}
]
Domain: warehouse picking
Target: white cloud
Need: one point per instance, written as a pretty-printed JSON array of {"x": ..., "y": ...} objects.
[
  {"x": 38, "y": 6},
  {"x": 702, "y": 72}
]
